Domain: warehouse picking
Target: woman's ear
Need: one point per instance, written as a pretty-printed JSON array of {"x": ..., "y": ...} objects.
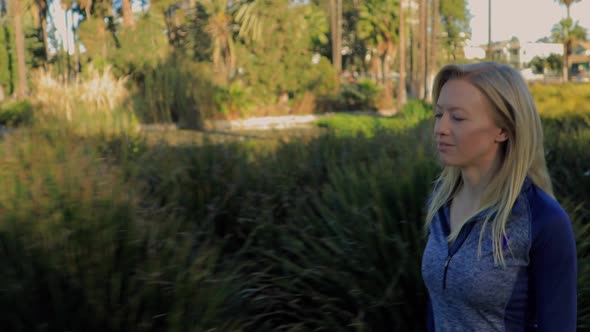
[{"x": 502, "y": 136}]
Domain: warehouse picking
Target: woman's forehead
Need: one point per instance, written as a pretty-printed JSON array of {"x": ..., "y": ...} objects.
[{"x": 461, "y": 94}]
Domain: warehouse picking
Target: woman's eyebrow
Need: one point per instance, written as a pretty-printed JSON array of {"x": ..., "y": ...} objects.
[{"x": 451, "y": 108}]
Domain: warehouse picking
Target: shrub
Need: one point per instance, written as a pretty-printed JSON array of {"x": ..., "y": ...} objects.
[
  {"x": 560, "y": 100},
  {"x": 16, "y": 113},
  {"x": 360, "y": 96},
  {"x": 83, "y": 251},
  {"x": 417, "y": 109},
  {"x": 413, "y": 113}
]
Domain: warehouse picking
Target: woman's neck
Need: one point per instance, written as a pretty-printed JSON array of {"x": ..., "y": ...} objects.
[{"x": 476, "y": 179}]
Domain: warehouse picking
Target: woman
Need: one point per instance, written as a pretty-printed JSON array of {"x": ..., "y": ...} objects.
[{"x": 501, "y": 253}]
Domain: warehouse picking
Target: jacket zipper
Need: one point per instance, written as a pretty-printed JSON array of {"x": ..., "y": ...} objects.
[
  {"x": 447, "y": 261},
  {"x": 465, "y": 234}
]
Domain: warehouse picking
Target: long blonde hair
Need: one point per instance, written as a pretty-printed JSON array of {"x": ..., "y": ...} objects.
[{"x": 522, "y": 154}]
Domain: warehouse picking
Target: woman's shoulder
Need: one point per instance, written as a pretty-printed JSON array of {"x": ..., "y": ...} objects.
[{"x": 547, "y": 216}]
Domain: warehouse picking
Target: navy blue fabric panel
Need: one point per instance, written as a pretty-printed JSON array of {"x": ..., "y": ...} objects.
[
  {"x": 553, "y": 264},
  {"x": 430, "y": 318},
  {"x": 517, "y": 312}
]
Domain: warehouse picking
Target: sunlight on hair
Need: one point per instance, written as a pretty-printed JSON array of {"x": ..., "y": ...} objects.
[{"x": 523, "y": 156}]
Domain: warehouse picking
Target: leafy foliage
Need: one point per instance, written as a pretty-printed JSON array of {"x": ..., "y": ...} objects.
[
  {"x": 16, "y": 113},
  {"x": 455, "y": 20}
]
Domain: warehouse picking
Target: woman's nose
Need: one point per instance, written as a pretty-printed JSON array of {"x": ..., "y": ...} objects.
[{"x": 441, "y": 126}]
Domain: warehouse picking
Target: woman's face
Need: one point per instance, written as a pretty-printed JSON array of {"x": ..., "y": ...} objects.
[{"x": 465, "y": 131}]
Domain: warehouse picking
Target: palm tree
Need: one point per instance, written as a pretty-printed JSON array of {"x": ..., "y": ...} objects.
[
  {"x": 41, "y": 7},
  {"x": 338, "y": 39},
  {"x": 567, "y": 32},
  {"x": 489, "y": 49},
  {"x": 6, "y": 60},
  {"x": 566, "y": 39},
  {"x": 378, "y": 24},
  {"x": 220, "y": 28},
  {"x": 433, "y": 45},
  {"x": 22, "y": 89},
  {"x": 422, "y": 70},
  {"x": 401, "y": 88},
  {"x": 253, "y": 20},
  {"x": 127, "y": 14},
  {"x": 567, "y": 4}
]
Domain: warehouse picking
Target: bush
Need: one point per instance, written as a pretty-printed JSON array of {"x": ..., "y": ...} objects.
[
  {"x": 83, "y": 251},
  {"x": 16, "y": 113},
  {"x": 561, "y": 100},
  {"x": 414, "y": 113},
  {"x": 360, "y": 96},
  {"x": 417, "y": 109}
]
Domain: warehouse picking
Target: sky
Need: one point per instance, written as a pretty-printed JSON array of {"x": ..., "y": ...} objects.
[{"x": 528, "y": 20}]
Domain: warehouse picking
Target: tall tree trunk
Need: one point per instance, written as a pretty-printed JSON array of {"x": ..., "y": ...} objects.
[
  {"x": 42, "y": 21},
  {"x": 566, "y": 56},
  {"x": 422, "y": 60},
  {"x": 335, "y": 23},
  {"x": 401, "y": 87},
  {"x": 77, "y": 67},
  {"x": 22, "y": 89},
  {"x": 333, "y": 30},
  {"x": 565, "y": 68},
  {"x": 432, "y": 67},
  {"x": 45, "y": 37},
  {"x": 383, "y": 68},
  {"x": 489, "y": 53},
  {"x": 9, "y": 53},
  {"x": 127, "y": 14},
  {"x": 412, "y": 69},
  {"x": 339, "y": 37}
]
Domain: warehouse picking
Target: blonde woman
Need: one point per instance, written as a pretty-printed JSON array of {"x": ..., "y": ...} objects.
[{"x": 501, "y": 253}]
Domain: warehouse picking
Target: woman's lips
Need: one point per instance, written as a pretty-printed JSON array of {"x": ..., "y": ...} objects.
[{"x": 443, "y": 146}]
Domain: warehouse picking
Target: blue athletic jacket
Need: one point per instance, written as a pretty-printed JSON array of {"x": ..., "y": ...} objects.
[{"x": 536, "y": 291}]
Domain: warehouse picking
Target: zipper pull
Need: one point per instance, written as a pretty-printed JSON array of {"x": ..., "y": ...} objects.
[{"x": 447, "y": 261}]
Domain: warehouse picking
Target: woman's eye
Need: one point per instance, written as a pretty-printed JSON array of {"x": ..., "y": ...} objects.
[
  {"x": 455, "y": 118},
  {"x": 438, "y": 115}
]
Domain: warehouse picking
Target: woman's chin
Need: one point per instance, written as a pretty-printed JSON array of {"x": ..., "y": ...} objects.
[{"x": 445, "y": 161}]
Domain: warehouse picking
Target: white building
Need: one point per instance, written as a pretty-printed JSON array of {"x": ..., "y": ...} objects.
[
  {"x": 530, "y": 50},
  {"x": 474, "y": 52},
  {"x": 513, "y": 52}
]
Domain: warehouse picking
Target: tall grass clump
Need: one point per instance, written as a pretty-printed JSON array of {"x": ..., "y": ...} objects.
[
  {"x": 580, "y": 215},
  {"x": 328, "y": 232},
  {"x": 82, "y": 250},
  {"x": 97, "y": 104},
  {"x": 567, "y": 144},
  {"x": 348, "y": 257}
]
